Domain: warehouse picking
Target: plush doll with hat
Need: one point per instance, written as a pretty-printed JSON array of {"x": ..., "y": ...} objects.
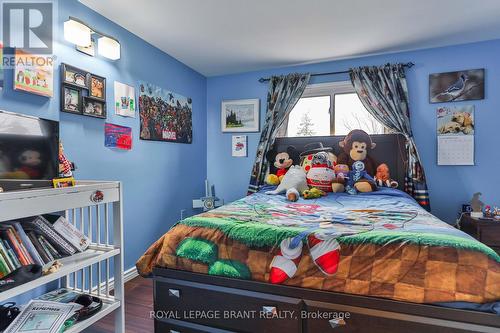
[
  {"x": 306, "y": 156},
  {"x": 321, "y": 173},
  {"x": 281, "y": 162}
]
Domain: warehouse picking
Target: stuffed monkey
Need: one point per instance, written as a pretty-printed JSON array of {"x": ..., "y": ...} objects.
[{"x": 357, "y": 146}]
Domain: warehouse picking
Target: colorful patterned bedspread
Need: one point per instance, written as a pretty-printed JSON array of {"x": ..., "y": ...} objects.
[{"x": 378, "y": 244}]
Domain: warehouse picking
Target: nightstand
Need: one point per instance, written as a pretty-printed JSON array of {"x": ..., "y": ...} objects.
[{"x": 486, "y": 231}]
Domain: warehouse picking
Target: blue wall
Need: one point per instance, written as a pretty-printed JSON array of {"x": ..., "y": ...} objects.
[
  {"x": 159, "y": 178},
  {"x": 450, "y": 186}
]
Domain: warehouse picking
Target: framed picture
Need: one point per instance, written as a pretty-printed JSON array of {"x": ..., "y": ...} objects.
[
  {"x": 124, "y": 100},
  {"x": 239, "y": 146},
  {"x": 32, "y": 77},
  {"x": 164, "y": 115},
  {"x": 456, "y": 86},
  {"x": 240, "y": 115},
  {"x": 97, "y": 87},
  {"x": 71, "y": 100},
  {"x": 74, "y": 76},
  {"x": 94, "y": 108}
]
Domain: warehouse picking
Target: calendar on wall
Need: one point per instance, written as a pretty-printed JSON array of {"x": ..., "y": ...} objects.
[{"x": 455, "y": 135}]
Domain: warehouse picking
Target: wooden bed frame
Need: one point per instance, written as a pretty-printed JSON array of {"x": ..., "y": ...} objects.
[{"x": 192, "y": 302}]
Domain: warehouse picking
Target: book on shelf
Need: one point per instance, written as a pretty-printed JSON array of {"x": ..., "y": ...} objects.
[
  {"x": 43, "y": 227},
  {"x": 9, "y": 236},
  {"x": 28, "y": 245},
  {"x": 69, "y": 232},
  {"x": 44, "y": 316}
]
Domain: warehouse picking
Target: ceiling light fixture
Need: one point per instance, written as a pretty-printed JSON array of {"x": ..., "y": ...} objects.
[
  {"x": 77, "y": 32},
  {"x": 80, "y": 34},
  {"x": 109, "y": 47}
]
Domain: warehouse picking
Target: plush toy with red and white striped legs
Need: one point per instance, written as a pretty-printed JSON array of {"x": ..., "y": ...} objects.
[
  {"x": 324, "y": 250},
  {"x": 285, "y": 263}
]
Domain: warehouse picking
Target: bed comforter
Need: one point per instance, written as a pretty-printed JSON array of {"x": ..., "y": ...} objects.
[{"x": 388, "y": 246}]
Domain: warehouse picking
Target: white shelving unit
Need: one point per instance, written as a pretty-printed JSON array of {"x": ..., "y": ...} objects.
[{"x": 101, "y": 221}]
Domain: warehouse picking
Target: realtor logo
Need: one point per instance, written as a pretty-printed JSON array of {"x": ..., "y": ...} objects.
[{"x": 28, "y": 26}]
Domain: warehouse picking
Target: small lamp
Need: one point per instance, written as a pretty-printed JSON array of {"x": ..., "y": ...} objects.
[
  {"x": 77, "y": 32},
  {"x": 109, "y": 47}
]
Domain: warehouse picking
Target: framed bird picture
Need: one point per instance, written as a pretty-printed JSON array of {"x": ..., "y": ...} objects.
[{"x": 456, "y": 86}]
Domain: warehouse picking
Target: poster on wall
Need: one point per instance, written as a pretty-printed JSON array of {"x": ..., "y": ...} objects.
[
  {"x": 456, "y": 86},
  {"x": 164, "y": 115},
  {"x": 124, "y": 100},
  {"x": 239, "y": 146},
  {"x": 1, "y": 65},
  {"x": 32, "y": 77},
  {"x": 455, "y": 135},
  {"x": 116, "y": 136}
]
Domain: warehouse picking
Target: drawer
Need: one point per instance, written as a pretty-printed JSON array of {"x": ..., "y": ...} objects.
[
  {"x": 226, "y": 308},
  {"x": 323, "y": 317},
  {"x": 176, "y": 326},
  {"x": 490, "y": 235}
]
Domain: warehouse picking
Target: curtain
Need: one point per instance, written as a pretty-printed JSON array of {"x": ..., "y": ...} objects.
[
  {"x": 384, "y": 93},
  {"x": 284, "y": 92}
]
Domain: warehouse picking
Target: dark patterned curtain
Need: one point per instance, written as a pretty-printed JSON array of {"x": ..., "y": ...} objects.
[
  {"x": 284, "y": 92},
  {"x": 384, "y": 93}
]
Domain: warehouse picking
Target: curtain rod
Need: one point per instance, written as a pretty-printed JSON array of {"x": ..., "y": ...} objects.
[{"x": 261, "y": 80}]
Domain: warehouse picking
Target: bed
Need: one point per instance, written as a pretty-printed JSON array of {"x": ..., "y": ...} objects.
[{"x": 394, "y": 262}]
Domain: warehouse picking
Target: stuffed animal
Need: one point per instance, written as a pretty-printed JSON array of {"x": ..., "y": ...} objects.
[
  {"x": 383, "y": 177},
  {"x": 293, "y": 183},
  {"x": 357, "y": 146},
  {"x": 65, "y": 166},
  {"x": 355, "y": 175},
  {"x": 341, "y": 174},
  {"x": 321, "y": 173},
  {"x": 31, "y": 161},
  {"x": 282, "y": 161},
  {"x": 313, "y": 193}
]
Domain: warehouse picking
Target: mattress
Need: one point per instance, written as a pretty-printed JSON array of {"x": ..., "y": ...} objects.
[{"x": 380, "y": 244}]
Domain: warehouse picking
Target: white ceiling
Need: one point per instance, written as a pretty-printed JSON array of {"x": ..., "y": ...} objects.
[{"x": 218, "y": 37}]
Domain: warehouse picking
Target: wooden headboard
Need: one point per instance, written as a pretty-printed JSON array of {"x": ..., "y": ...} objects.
[{"x": 390, "y": 149}]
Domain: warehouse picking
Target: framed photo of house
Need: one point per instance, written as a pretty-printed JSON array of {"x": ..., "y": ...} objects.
[{"x": 240, "y": 115}]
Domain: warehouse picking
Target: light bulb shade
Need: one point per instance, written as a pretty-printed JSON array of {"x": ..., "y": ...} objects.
[
  {"x": 77, "y": 33},
  {"x": 109, "y": 48}
]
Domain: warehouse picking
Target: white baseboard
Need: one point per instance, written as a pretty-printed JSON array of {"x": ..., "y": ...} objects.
[{"x": 128, "y": 275}]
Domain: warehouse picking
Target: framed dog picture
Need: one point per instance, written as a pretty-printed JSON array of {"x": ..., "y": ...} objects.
[
  {"x": 94, "y": 108},
  {"x": 240, "y": 115},
  {"x": 97, "y": 87}
]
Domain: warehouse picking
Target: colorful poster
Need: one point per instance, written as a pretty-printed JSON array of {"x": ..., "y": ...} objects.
[
  {"x": 164, "y": 115},
  {"x": 32, "y": 76},
  {"x": 455, "y": 134},
  {"x": 116, "y": 136},
  {"x": 124, "y": 100}
]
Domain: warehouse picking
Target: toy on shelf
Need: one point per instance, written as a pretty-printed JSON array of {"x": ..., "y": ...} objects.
[
  {"x": 477, "y": 206},
  {"x": 66, "y": 167}
]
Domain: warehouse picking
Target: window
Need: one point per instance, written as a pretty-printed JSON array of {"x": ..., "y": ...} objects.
[{"x": 330, "y": 109}]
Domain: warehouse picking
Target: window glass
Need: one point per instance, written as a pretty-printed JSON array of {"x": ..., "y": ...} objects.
[{"x": 310, "y": 117}]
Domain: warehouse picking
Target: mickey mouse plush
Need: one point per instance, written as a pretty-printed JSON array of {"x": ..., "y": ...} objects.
[{"x": 281, "y": 162}]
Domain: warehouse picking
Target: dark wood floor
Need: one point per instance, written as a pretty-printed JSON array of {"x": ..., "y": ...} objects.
[{"x": 138, "y": 304}]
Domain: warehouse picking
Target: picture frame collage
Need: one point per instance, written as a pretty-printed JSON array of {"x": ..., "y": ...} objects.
[{"x": 82, "y": 92}]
